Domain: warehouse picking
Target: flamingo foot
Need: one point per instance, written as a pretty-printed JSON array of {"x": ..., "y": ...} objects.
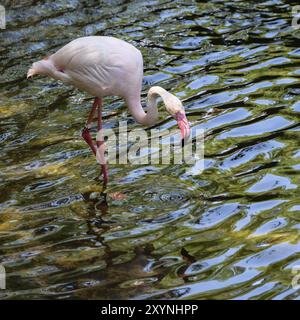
[
  {"x": 117, "y": 196},
  {"x": 102, "y": 161},
  {"x": 99, "y": 148},
  {"x": 104, "y": 169}
]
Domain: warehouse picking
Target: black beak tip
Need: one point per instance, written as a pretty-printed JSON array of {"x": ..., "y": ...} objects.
[{"x": 182, "y": 143}]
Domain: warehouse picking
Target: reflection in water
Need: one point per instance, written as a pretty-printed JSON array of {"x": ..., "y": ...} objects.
[{"x": 231, "y": 232}]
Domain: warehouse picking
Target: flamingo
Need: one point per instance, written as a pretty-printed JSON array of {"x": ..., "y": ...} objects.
[{"x": 104, "y": 66}]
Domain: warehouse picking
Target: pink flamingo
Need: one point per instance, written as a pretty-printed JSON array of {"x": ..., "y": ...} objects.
[{"x": 104, "y": 66}]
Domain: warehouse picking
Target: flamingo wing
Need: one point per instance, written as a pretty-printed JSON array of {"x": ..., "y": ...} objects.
[{"x": 101, "y": 65}]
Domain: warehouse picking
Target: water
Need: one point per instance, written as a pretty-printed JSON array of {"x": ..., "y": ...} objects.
[{"x": 230, "y": 233}]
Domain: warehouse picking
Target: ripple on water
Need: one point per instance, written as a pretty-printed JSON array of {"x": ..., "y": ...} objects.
[
  {"x": 65, "y": 201},
  {"x": 270, "y": 182}
]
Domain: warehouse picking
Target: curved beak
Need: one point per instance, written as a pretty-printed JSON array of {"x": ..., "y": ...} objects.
[
  {"x": 31, "y": 72},
  {"x": 183, "y": 125}
]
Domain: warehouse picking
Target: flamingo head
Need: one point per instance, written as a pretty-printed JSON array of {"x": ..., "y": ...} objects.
[
  {"x": 176, "y": 109},
  {"x": 42, "y": 67}
]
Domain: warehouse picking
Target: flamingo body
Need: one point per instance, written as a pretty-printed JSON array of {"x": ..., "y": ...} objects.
[
  {"x": 104, "y": 66},
  {"x": 101, "y": 66}
]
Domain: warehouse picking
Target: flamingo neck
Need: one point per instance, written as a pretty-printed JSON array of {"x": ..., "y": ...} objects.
[{"x": 137, "y": 111}]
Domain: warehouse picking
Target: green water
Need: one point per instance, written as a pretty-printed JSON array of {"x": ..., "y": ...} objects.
[{"x": 231, "y": 232}]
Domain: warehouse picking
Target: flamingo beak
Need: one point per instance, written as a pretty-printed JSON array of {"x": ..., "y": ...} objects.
[
  {"x": 183, "y": 125},
  {"x": 31, "y": 72}
]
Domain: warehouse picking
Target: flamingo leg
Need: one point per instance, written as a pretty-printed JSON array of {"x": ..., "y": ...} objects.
[
  {"x": 85, "y": 132},
  {"x": 101, "y": 146}
]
